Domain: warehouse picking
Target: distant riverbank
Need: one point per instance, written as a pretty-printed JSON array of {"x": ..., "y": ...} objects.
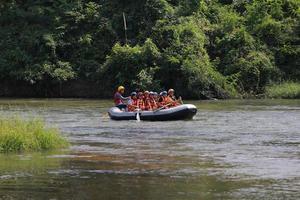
[
  {"x": 73, "y": 89},
  {"x": 70, "y": 89},
  {"x": 88, "y": 89}
]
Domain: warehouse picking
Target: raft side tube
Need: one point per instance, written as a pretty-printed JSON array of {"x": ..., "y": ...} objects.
[{"x": 182, "y": 112}]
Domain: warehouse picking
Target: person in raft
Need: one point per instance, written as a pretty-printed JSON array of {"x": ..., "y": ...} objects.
[
  {"x": 133, "y": 102},
  {"x": 153, "y": 101},
  {"x": 162, "y": 102},
  {"x": 149, "y": 101},
  {"x": 119, "y": 100},
  {"x": 168, "y": 99},
  {"x": 172, "y": 98}
]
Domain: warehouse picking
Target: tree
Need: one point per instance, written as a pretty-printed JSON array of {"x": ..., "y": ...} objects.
[{"x": 132, "y": 66}]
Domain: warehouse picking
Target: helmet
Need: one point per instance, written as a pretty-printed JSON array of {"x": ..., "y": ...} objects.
[
  {"x": 164, "y": 93},
  {"x": 120, "y": 88},
  {"x": 133, "y": 94},
  {"x": 170, "y": 90},
  {"x": 151, "y": 93},
  {"x": 146, "y": 92}
]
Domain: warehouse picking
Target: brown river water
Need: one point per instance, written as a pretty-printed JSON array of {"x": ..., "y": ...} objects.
[{"x": 236, "y": 149}]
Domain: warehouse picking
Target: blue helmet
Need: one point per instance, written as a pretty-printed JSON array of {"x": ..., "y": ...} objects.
[
  {"x": 164, "y": 93},
  {"x": 133, "y": 94}
]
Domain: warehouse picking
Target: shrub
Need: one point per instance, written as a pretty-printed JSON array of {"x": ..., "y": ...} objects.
[
  {"x": 287, "y": 90},
  {"x": 185, "y": 60},
  {"x": 254, "y": 71},
  {"x": 17, "y": 135},
  {"x": 133, "y": 67}
]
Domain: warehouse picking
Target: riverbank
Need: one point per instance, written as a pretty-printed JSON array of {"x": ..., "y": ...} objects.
[
  {"x": 70, "y": 89},
  {"x": 75, "y": 89},
  {"x": 88, "y": 89},
  {"x": 287, "y": 90}
]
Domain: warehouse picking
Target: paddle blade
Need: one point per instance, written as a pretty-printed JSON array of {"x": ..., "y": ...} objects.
[{"x": 138, "y": 118}]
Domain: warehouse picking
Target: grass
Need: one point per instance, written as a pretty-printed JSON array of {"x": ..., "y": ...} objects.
[
  {"x": 287, "y": 90},
  {"x": 18, "y": 135}
]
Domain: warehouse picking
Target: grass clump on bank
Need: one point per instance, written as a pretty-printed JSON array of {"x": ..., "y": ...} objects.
[
  {"x": 287, "y": 90},
  {"x": 17, "y": 135}
]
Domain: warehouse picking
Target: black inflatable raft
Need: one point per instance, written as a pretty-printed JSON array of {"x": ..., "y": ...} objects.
[{"x": 182, "y": 112}]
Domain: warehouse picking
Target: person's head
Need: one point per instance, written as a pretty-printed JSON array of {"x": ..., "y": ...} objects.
[
  {"x": 163, "y": 94},
  {"x": 146, "y": 93},
  {"x": 171, "y": 92},
  {"x": 133, "y": 95},
  {"x": 151, "y": 94},
  {"x": 121, "y": 89},
  {"x": 140, "y": 95}
]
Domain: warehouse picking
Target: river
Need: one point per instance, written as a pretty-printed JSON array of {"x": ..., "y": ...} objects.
[{"x": 236, "y": 149}]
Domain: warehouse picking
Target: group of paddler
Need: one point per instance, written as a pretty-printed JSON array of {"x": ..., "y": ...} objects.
[{"x": 146, "y": 101}]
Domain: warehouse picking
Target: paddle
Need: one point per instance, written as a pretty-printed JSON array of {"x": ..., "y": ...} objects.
[
  {"x": 162, "y": 107},
  {"x": 138, "y": 118},
  {"x": 138, "y": 115},
  {"x": 180, "y": 100}
]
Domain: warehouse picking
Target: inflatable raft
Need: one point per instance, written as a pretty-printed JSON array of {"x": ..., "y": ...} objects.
[{"x": 182, "y": 112}]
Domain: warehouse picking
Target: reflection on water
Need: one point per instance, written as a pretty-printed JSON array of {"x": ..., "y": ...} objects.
[{"x": 231, "y": 150}]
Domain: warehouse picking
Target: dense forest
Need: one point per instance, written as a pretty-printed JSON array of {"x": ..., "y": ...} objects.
[{"x": 201, "y": 48}]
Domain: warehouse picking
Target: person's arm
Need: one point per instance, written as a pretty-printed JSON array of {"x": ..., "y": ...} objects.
[
  {"x": 180, "y": 100},
  {"x": 130, "y": 102},
  {"x": 122, "y": 98}
]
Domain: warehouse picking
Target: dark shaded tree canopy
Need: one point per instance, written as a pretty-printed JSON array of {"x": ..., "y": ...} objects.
[{"x": 201, "y": 48}]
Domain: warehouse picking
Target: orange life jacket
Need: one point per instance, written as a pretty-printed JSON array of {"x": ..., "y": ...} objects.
[
  {"x": 147, "y": 103},
  {"x": 133, "y": 105},
  {"x": 141, "y": 104},
  {"x": 153, "y": 104},
  {"x": 170, "y": 102},
  {"x": 162, "y": 102}
]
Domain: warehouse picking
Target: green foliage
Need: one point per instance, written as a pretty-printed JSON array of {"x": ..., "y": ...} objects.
[
  {"x": 132, "y": 66},
  {"x": 17, "y": 135},
  {"x": 239, "y": 55},
  {"x": 253, "y": 72},
  {"x": 140, "y": 17},
  {"x": 145, "y": 79},
  {"x": 188, "y": 7},
  {"x": 201, "y": 48},
  {"x": 185, "y": 59},
  {"x": 287, "y": 90},
  {"x": 276, "y": 23}
]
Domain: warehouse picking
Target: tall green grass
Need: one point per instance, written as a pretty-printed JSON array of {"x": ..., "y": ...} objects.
[
  {"x": 17, "y": 135},
  {"x": 287, "y": 90}
]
